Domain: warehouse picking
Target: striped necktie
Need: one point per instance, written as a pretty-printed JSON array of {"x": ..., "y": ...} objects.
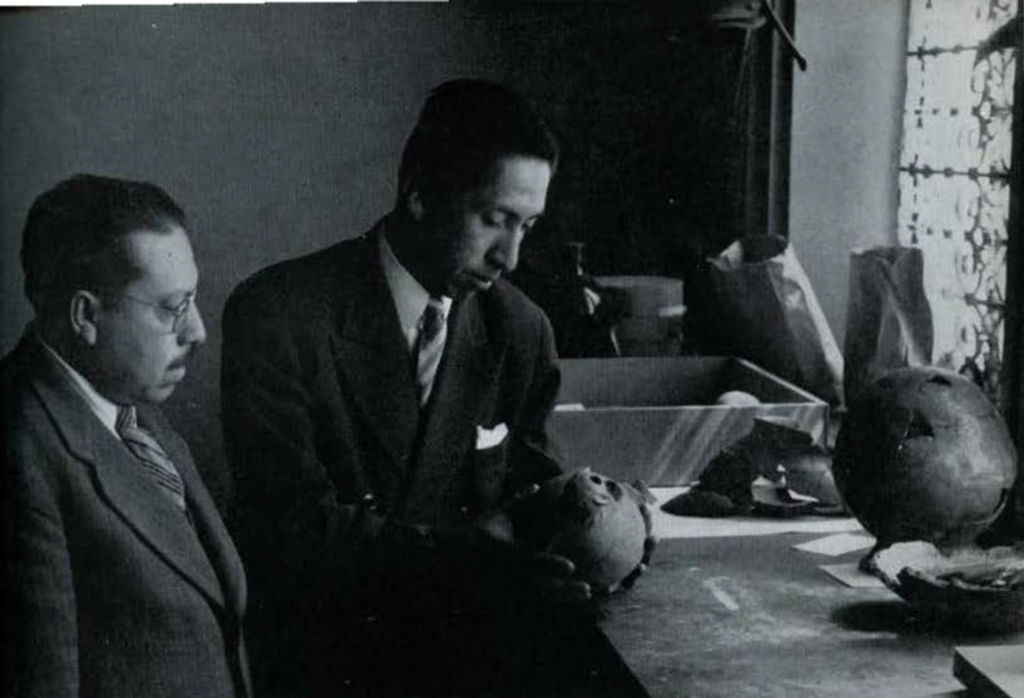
[
  {"x": 430, "y": 346},
  {"x": 155, "y": 461}
]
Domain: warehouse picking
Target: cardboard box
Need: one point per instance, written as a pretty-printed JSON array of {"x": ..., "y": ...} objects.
[{"x": 655, "y": 418}]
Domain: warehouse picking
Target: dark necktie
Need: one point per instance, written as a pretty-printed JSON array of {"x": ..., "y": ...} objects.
[
  {"x": 430, "y": 346},
  {"x": 154, "y": 460}
]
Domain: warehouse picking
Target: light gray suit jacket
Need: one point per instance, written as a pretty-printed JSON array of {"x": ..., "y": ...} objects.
[{"x": 110, "y": 591}]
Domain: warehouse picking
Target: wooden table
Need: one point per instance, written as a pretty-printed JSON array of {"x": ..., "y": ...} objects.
[{"x": 751, "y": 616}]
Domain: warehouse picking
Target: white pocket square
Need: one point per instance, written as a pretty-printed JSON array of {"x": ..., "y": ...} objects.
[{"x": 489, "y": 438}]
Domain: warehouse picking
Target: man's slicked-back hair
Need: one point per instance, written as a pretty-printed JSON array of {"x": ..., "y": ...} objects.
[
  {"x": 465, "y": 126},
  {"x": 74, "y": 235}
]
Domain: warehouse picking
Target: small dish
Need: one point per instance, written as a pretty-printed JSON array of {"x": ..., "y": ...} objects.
[{"x": 970, "y": 589}]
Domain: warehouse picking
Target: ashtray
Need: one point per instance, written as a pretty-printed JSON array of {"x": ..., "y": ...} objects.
[{"x": 972, "y": 589}]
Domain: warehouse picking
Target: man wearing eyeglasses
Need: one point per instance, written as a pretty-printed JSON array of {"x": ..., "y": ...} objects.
[{"x": 119, "y": 576}]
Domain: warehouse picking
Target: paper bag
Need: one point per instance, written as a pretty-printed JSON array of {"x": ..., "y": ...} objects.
[
  {"x": 888, "y": 319},
  {"x": 762, "y": 308}
]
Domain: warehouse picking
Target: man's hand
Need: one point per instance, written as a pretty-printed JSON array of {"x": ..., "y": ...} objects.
[
  {"x": 541, "y": 576},
  {"x": 549, "y": 579},
  {"x": 497, "y": 523},
  {"x": 555, "y": 581}
]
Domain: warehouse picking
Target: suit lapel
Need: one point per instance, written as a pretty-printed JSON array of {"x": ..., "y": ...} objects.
[
  {"x": 152, "y": 516},
  {"x": 208, "y": 524},
  {"x": 464, "y": 386},
  {"x": 371, "y": 354}
]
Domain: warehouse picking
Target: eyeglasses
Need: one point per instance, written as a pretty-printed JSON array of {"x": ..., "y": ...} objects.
[{"x": 179, "y": 313}]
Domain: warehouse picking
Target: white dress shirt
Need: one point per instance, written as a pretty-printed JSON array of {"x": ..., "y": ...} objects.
[
  {"x": 408, "y": 294},
  {"x": 104, "y": 409}
]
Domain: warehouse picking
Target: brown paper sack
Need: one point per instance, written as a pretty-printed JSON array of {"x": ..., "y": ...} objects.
[
  {"x": 764, "y": 309},
  {"x": 888, "y": 318}
]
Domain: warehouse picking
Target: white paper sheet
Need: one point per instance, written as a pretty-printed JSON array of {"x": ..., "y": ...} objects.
[
  {"x": 837, "y": 544},
  {"x": 850, "y": 574}
]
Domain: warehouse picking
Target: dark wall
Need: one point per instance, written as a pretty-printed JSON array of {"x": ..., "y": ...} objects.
[{"x": 279, "y": 130}]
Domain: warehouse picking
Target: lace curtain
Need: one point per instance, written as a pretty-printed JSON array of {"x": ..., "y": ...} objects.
[{"x": 955, "y": 175}]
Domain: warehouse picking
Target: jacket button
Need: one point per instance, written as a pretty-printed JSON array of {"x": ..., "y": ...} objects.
[{"x": 370, "y": 502}]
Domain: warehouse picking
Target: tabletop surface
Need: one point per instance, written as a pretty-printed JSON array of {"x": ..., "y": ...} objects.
[{"x": 751, "y": 616}]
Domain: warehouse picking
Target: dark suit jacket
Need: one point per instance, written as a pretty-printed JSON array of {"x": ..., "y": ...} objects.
[
  {"x": 109, "y": 591},
  {"x": 340, "y": 479}
]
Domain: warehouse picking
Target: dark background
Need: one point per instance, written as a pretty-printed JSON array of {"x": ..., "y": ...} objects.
[{"x": 279, "y": 130}]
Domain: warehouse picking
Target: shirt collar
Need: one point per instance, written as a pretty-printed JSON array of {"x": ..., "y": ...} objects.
[
  {"x": 408, "y": 294},
  {"x": 104, "y": 409}
]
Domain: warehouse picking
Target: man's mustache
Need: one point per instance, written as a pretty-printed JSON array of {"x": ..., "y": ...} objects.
[{"x": 185, "y": 359}]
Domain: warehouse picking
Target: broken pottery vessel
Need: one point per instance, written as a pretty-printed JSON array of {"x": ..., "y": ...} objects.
[
  {"x": 925, "y": 463},
  {"x": 594, "y": 521},
  {"x": 923, "y": 455}
]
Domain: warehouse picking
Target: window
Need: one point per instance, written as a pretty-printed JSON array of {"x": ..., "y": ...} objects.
[{"x": 955, "y": 175}]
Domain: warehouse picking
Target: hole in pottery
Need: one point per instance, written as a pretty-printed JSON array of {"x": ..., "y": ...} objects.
[{"x": 919, "y": 426}]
